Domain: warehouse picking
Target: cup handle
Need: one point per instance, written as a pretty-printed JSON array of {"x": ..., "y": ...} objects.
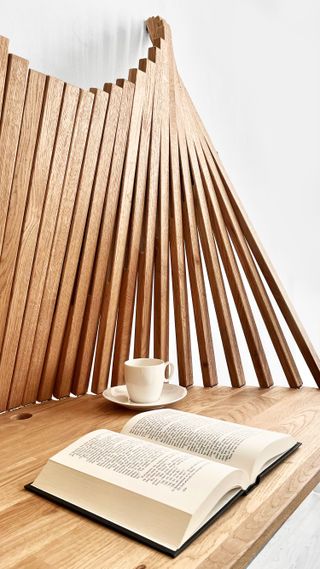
[{"x": 171, "y": 371}]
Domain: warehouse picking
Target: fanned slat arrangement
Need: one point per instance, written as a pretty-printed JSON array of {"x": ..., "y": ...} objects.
[{"x": 107, "y": 196}]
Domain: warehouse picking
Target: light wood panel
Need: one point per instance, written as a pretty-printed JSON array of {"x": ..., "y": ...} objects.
[
  {"x": 158, "y": 155},
  {"x": 19, "y": 191},
  {"x": 40, "y": 174},
  {"x": 268, "y": 314},
  {"x": 198, "y": 290},
  {"x": 92, "y": 314},
  {"x": 161, "y": 245},
  {"x": 161, "y": 253},
  {"x": 215, "y": 276},
  {"x": 296, "y": 543},
  {"x": 237, "y": 287},
  {"x": 231, "y": 542},
  {"x": 4, "y": 45},
  {"x": 146, "y": 255},
  {"x": 13, "y": 101},
  {"x": 71, "y": 331},
  {"x": 180, "y": 294},
  {"x": 53, "y": 317},
  {"x": 112, "y": 285},
  {"x": 50, "y": 215},
  {"x": 145, "y": 162},
  {"x": 67, "y": 222}
]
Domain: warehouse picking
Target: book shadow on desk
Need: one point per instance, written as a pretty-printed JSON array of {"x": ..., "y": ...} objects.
[{"x": 178, "y": 494}]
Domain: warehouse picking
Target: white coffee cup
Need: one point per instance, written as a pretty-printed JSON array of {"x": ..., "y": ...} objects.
[{"x": 144, "y": 378}]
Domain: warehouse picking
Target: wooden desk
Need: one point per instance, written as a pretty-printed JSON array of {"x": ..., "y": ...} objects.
[{"x": 36, "y": 534}]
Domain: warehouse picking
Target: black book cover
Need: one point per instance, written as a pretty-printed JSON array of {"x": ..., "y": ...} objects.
[{"x": 141, "y": 538}]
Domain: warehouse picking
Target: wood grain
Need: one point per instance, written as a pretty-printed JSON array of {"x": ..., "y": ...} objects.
[
  {"x": 4, "y": 45},
  {"x": 161, "y": 247},
  {"x": 92, "y": 313},
  {"x": 59, "y": 257},
  {"x": 212, "y": 261},
  {"x": 268, "y": 314},
  {"x": 66, "y": 358},
  {"x": 31, "y": 224},
  {"x": 53, "y": 318},
  {"x": 14, "y": 95},
  {"x": 112, "y": 285},
  {"x": 180, "y": 294},
  {"x": 35, "y": 533},
  {"x": 50, "y": 216},
  {"x": 266, "y": 309},
  {"x": 146, "y": 255},
  {"x": 288, "y": 311},
  {"x": 197, "y": 284},
  {"x": 145, "y": 164},
  {"x": 246, "y": 317},
  {"x": 19, "y": 191},
  {"x": 161, "y": 243},
  {"x": 296, "y": 543}
]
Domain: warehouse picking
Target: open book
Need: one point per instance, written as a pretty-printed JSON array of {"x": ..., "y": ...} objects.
[{"x": 165, "y": 477}]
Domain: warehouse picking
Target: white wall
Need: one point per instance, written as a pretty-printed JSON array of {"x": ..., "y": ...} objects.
[{"x": 252, "y": 69}]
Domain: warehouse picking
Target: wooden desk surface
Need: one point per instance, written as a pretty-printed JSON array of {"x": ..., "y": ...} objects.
[{"x": 36, "y": 534}]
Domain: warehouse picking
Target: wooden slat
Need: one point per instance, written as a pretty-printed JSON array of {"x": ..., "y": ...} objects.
[
  {"x": 40, "y": 173},
  {"x": 73, "y": 202},
  {"x": 146, "y": 255},
  {"x": 272, "y": 324},
  {"x": 14, "y": 96},
  {"x": 288, "y": 311},
  {"x": 180, "y": 294},
  {"x": 161, "y": 253},
  {"x": 19, "y": 192},
  {"x": 155, "y": 238},
  {"x": 112, "y": 287},
  {"x": 198, "y": 289},
  {"x": 269, "y": 316},
  {"x": 233, "y": 274},
  {"x": 91, "y": 316},
  {"x": 57, "y": 326},
  {"x": 70, "y": 332},
  {"x": 45, "y": 239},
  {"x": 155, "y": 26},
  {"x": 160, "y": 244},
  {"x": 215, "y": 276},
  {"x": 4, "y": 45},
  {"x": 147, "y": 165},
  {"x": 254, "y": 279}
]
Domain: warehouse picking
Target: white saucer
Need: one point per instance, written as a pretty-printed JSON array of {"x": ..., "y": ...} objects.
[{"x": 170, "y": 394}]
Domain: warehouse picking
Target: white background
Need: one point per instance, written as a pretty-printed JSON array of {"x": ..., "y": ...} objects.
[{"x": 252, "y": 69}]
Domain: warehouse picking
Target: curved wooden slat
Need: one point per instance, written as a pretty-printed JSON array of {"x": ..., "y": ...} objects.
[
  {"x": 54, "y": 311},
  {"x": 146, "y": 180},
  {"x": 67, "y": 152},
  {"x": 4, "y": 45},
  {"x": 20, "y": 187},
  {"x": 101, "y": 194},
  {"x": 112, "y": 285},
  {"x": 92, "y": 314},
  {"x": 31, "y": 224},
  {"x": 68, "y": 337},
  {"x": 13, "y": 103}
]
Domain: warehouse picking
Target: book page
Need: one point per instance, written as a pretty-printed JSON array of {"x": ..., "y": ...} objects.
[
  {"x": 220, "y": 441},
  {"x": 172, "y": 477}
]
